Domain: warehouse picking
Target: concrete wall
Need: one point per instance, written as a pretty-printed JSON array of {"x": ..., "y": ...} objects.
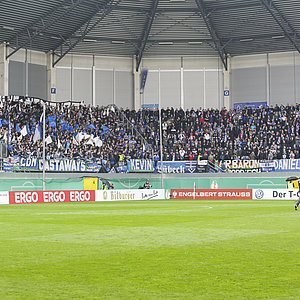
[
  {"x": 27, "y": 73},
  {"x": 274, "y": 78},
  {"x": 185, "y": 82}
]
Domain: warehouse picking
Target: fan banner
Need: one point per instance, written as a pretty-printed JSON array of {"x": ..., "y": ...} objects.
[{"x": 144, "y": 74}]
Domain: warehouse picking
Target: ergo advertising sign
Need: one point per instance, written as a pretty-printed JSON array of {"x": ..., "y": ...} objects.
[{"x": 50, "y": 196}]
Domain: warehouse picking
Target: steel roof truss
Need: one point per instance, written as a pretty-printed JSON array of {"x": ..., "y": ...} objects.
[
  {"x": 107, "y": 8},
  {"x": 45, "y": 22},
  {"x": 286, "y": 27},
  {"x": 146, "y": 32},
  {"x": 217, "y": 42}
]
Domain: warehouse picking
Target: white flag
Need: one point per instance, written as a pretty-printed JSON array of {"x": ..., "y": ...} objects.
[
  {"x": 59, "y": 145},
  {"x": 24, "y": 131},
  {"x": 86, "y": 136},
  {"x": 75, "y": 142},
  {"x": 48, "y": 140},
  {"x": 5, "y": 136},
  {"x": 79, "y": 137},
  {"x": 90, "y": 141},
  {"x": 37, "y": 134},
  {"x": 98, "y": 142}
]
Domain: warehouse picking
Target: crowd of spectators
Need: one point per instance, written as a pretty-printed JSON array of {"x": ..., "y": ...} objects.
[{"x": 86, "y": 132}]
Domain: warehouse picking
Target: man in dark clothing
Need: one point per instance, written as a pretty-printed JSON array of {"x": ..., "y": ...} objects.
[{"x": 147, "y": 185}]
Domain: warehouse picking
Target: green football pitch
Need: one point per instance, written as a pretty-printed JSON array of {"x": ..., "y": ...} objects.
[{"x": 151, "y": 250}]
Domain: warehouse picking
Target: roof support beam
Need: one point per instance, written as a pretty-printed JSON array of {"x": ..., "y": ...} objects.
[
  {"x": 45, "y": 22},
  {"x": 146, "y": 32},
  {"x": 218, "y": 44},
  {"x": 187, "y": 9},
  {"x": 86, "y": 28},
  {"x": 283, "y": 23}
]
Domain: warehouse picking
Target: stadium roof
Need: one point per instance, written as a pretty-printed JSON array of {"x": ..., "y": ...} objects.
[{"x": 151, "y": 27}]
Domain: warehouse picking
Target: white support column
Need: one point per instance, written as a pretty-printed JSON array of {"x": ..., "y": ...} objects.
[
  {"x": 26, "y": 74},
  {"x": 268, "y": 81},
  {"x": 295, "y": 79},
  {"x": 181, "y": 85},
  {"x": 51, "y": 75},
  {"x": 181, "y": 89},
  {"x": 114, "y": 86},
  {"x": 227, "y": 85},
  {"x": 3, "y": 70},
  {"x": 204, "y": 89},
  {"x": 93, "y": 83},
  {"x": 72, "y": 79},
  {"x": 136, "y": 85}
]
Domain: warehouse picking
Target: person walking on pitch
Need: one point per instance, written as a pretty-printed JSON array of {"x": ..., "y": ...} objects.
[{"x": 294, "y": 183}]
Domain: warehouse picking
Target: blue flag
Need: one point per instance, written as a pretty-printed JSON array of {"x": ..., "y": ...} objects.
[
  {"x": 90, "y": 126},
  {"x": 64, "y": 126},
  {"x": 4, "y": 122},
  {"x": 52, "y": 124},
  {"x": 52, "y": 118},
  {"x": 105, "y": 129},
  {"x": 18, "y": 129},
  {"x": 28, "y": 129}
]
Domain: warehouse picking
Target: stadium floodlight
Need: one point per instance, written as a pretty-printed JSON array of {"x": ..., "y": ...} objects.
[
  {"x": 118, "y": 42},
  {"x": 90, "y": 40},
  {"x": 8, "y": 27},
  {"x": 246, "y": 40},
  {"x": 278, "y": 37},
  {"x": 165, "y": 43},
  {"x": 195, "y": 43}
]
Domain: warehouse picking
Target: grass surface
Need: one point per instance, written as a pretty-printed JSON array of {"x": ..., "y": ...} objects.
[{"x": 150, "y": 250}]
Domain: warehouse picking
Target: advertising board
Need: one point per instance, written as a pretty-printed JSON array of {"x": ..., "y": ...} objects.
[
  {"x": 275, "y": 194},
  {"x": 230, "y": 194},
  {"x": 4, "y": 198},
  {"x": 120, "y": 195},
  {"x": 26, "y": 197}
]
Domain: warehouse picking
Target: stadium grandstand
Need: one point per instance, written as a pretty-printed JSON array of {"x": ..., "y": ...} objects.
[
  {"x": 117, "y": 62},
  {"x": 166, "y": 100}
]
